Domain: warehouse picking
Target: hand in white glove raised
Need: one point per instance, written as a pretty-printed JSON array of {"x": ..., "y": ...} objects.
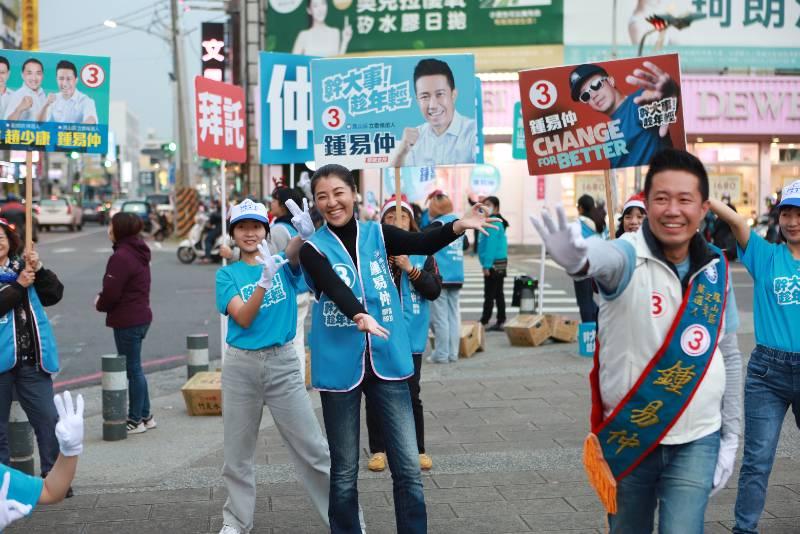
[
  {"x": 301, "y": 218},
  {"x": 270, "y": 264},
  {"x": 565, "y": 243},
  {"x": 69, "y": 430},
  {"x": 10, "y": 510},
  {"x": 725, "y": 459}
]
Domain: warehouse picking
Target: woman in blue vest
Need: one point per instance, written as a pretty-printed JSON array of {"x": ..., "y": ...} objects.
[
  {"x": 418, "y": 281},
  {"x": 257, "y": 293},
  {"x": 445, "y": 311},
  {"x": 28, "y": 353},
  {"x": 360, "y": 343}
]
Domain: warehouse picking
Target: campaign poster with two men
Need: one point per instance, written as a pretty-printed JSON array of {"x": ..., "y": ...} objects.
[{"x": 53, "y": 102}]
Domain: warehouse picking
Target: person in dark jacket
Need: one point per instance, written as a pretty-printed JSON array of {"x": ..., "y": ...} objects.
[
  {"x": 28, "y": 353},
  {"x": 722, "y": 235},
  {"x": 125, "y": 299},
  {"x": 418, "y": 281},
  {"x": 493, "y": 256}
]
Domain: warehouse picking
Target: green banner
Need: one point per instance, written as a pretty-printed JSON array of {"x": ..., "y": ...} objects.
[{"x": 334, "y": 27}]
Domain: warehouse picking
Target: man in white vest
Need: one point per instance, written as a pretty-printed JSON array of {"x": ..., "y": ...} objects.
[{"x": 666, "y": 384}]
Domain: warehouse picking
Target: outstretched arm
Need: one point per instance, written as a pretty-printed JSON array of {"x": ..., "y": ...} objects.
[{"x": 738, "y": 224}]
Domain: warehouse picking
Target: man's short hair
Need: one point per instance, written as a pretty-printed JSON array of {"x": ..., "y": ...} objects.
[
  {"x": 64, "y": 64},
  {"x": 4, "y": 61},
  {"x": 671, "y": 159},
  {"x": 432, "y": 67},
  {"x": 32, "y": 60}
]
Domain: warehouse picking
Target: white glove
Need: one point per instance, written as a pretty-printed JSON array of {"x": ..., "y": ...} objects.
[
  {"x": 301, "y": 219},
  {"x": 270, "y": 264},
  {"x": 69, "y": 430},
  {"x": 565, "y": 244},
  {"x": 10, "y": 510},
  {"x": 727, "y": 456}
]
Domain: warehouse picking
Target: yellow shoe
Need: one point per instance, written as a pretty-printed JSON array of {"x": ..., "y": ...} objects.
[
  {"x": 377, "y": 462},
  {"x": 425, "y": 462}
]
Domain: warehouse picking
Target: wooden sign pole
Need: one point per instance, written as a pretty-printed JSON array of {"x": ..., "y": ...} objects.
[
  {"x": 612, "y": 231},
  {"x": 28, "y": 201},
  {"x": 397, "y": 185}
]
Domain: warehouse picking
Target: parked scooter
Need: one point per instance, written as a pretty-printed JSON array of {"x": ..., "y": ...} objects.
[{"x": 194, "y": 245}]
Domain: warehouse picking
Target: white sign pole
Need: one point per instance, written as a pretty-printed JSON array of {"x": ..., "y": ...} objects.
[
  {"x": 541, "y": 279},
  {"x": 291, "y": 175},
  {"x": 223, "y": 202}
]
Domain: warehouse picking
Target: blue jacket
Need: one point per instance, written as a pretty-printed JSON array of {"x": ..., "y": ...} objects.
[{"x": 494, "y": 246}]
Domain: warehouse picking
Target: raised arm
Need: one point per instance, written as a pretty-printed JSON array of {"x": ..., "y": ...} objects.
[{"x": 738, "y": 224}]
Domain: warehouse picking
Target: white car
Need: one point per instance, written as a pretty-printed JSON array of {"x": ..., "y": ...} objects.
[
  {"x": 115, "y": 208},
  {"x": 60, "y": 211}
]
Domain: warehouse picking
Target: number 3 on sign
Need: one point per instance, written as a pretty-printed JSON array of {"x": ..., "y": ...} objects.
[
  {"x": 93, "y": 75},
  {"x": 543, "y": 94},
  {"x": 333, "y": 118}
]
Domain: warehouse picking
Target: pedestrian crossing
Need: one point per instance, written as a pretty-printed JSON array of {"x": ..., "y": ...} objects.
[{"x": 471, "y": 295}]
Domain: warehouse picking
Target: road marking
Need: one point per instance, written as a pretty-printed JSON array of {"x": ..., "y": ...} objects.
[
  {"x": 546, "y": 309},
  {"x": 104, "y": 250},
  {"x": 64, "y": 250},
  {"x": 47, "y": 240}
]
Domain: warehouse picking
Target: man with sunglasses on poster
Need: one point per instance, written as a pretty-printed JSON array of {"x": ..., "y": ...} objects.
[{"x": 593, "y": 86}]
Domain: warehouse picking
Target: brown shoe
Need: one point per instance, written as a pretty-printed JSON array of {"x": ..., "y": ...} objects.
[
  {"x": 425, "y": 462},
  {"x": 377, "y": 463}
]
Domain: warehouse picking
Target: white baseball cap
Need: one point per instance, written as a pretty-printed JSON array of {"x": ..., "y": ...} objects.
[
  {"x": 247, "y": 209},
  {"x": 791, "y": 195}
]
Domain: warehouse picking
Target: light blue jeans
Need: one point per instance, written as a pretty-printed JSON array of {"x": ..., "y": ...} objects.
[
  {"x": 677, "y": 479},
  {"x": 446, "y": 324},
  {"x": 771, "y": 386}
]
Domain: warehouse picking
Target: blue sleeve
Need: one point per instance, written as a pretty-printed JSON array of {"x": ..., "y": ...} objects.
[
  {"x": 757, "y": 252},
  {"x": 226, "y": 289},
  {"x": 23, "y": 488},
  {"x": 731, "y": 310},
  {"x": 629, "y": 264}
]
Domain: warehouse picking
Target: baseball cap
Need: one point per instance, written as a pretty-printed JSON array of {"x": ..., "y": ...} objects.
[
  {"x": 247, "y": 209},
  {"x": 791, "y": 195},
  {"x": 580, "y": 74}
]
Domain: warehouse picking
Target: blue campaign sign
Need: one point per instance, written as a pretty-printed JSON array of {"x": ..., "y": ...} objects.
[
  {"x": 286, "y": 128},
  {"x": 518, "y": 137},
  {"x": 479, "y": 106},
  {"x": 403, "y": 111},
  {"x": 415, "y": 182}
]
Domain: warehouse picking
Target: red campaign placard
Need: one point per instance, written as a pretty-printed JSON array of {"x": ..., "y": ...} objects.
[
  {"x": 220, "y": 120},
  {"x": 598, "y": 116}
]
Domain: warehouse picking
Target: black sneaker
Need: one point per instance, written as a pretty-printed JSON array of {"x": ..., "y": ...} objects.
[
  {"x": 136, "y": 428},
  {"x": 496, "y": 327}
]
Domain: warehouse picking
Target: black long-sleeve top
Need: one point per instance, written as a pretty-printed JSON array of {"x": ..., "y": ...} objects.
[
  {"x": 397, "y": 241},
  {"x": 427, "y": 281}
]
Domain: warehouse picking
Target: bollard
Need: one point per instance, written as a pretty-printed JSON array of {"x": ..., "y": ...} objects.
[
  {"x": 20, "y": 439},
  {"x": 197, "y": 345},
  {"x": 115, "y": 397}
]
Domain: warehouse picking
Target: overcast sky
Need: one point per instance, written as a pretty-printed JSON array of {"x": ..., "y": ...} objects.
[{"x": 140, "y": 63}]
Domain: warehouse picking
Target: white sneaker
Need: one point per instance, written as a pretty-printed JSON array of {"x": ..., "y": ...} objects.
[
  {"x": 227, "y": 529},
  {"x": 136, "y": 428},
  {"x": 150, "y": 422}
]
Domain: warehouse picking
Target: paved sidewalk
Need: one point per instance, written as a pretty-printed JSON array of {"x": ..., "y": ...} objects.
[{"x": 504, "y": 429}]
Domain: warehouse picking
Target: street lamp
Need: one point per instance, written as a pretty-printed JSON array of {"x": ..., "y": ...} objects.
[{"x": 662, "y": 22}]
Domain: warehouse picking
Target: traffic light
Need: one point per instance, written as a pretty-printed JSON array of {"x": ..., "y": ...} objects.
[{"x": 170, "y": 147}]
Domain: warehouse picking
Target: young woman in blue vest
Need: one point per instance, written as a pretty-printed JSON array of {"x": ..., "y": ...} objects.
[
  {"x": 28, "y": 353},
  {"x": 418, "y": 281},
  {"x": 360, "y": 342},
  {"x": 445, "y": 311},
  {"x": 257, "y": 293},
  {"x": 773, "y": 373}
]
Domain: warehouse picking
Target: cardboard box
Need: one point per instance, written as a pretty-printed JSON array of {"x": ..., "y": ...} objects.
[
  {"x": 470, "y": 339},
  {"x": 563, "y": 329},
  {"x": 527, "y": 330},
  {"x": 203, "y": 394}
]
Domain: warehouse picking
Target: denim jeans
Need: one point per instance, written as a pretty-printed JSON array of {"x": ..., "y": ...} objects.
[
  {"x": 446, "y": 324},
  {"x": 35, "y": 394},
  {"x": 129, "y": 344},
  {"x": 678, "y": 479},
  {"x": 584, "y": 295},
  {"x": 771, "y": 386},
  {"x": 342, "y": 413}
]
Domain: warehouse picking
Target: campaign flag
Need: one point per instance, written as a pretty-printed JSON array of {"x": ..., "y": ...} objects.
[
  {"x": 405, "y": 111},
  {"x": 220, "y": 120},
  {"x": 605, "y": 115},
  {"x": 54, "y": 102},
  {"x": 286, "y": 127},
  {"x": 518, "y": 135}
]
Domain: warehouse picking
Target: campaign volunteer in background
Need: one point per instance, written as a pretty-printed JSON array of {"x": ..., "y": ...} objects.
[
  {"x": 667, "y": 374},
  {"x": 20, "y": 493},
  {"x": 360, "y": 343},
  {"x": 593, "y": 223},
  {"x": 258, "y": 294},
  {"x": 773, "y": 373},
  {"x": 593, "y": 86},
  {"x": 446, "y": 136},
  {"x": 633, "y": 215},
  {"x": 493, "y": 255},
  {"x": 418, "y": 281},
  {"x": 445, "y": 310}
]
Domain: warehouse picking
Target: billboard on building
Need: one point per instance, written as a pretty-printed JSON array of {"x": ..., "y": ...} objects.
[
  {"x": 602, "y": 115},
  {"x": 731, "y": 33},
  {"x": 399, "y": 111},
  {"x": 54, "y": 102}
]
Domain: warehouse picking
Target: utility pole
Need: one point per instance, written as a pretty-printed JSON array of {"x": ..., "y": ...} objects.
[{"x": 182, "y": 173}]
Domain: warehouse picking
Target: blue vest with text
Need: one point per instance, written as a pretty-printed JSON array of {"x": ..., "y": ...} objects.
[
  {"x": 337, "y": 346},
  {"x": 416, "y": 309},
  {"x": 46, "y": 340},
  {"x": 450, "y": 259}
]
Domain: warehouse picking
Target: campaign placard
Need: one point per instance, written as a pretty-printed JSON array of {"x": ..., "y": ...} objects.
[
  {"x": 405, "y": 111},
  {"x": 605, "y": 115},
  {"x": 220, "y": 120},
  {"x": 54, "y": 102}
]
